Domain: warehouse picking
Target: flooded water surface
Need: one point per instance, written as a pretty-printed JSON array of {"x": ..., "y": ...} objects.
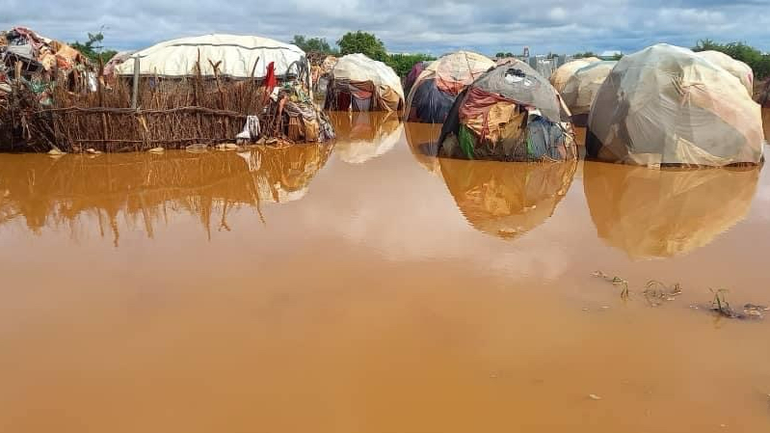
[{"x": 367, "y": 287}]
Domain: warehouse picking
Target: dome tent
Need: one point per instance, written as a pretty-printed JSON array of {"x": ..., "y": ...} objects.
[
  {"x": 507, "y": 200},
  {"x": 240, "y": 57},
  {"x": 433, "y": 93},
  {"x": 665, "y": 105},
  {"x": 741, "y": 70},
  {"x": 362, "y": 84},
  {"x": 665, "y": 213},
  {"x": 510, "y": 113},
  {"x": 563, "y": 73},
  {"x": 579, "y": 91}
]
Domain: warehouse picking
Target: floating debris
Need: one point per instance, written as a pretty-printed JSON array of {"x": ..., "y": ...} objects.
[
  {"x": 157, "y": 150},
  {"x": 196, "y": 148},
  {"x": 55, "y": 152},
  {"x": 92, "y": 151},
  {"x": 594, "y": 397},
  {"x": 625, "y": 294},
  {"x": 657, "y": 293}
]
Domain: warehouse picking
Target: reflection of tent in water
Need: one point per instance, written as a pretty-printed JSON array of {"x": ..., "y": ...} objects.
[
  {"x": 436, "y": 88},
  {"x": 665, "y": 105},
  {"x": 665, "y": 213},
  {"x": 365, "y": 136},
  {"x": 423, "y": 142},
  {"x": 507, "y": 199},
  {"x": 511, "y": 113},
  {"x": 362, "y": 84},
  {"x": 146, "y": 188}
]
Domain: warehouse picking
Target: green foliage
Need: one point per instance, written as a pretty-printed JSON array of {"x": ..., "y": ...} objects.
[
  {"x": 584, "y": 55},
  {"x": 759, "y": 62},
  {"x": 364, "y": 43},
  {"x": 403, "y": 63},
  {"x": 310, "y": 45},
  {"x": 93, "y": 49},
  {"x": 502, "y": 55},
  {"x": 617, "y": 57}
]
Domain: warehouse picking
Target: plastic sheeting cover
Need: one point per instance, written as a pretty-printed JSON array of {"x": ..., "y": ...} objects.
[
  {"x": 358, "y": 67},
  {"x": 561, "y": 75},
  {"x": 667, "y": 105},
  {"x": 238, "y": 54},
  {"x": 741, "y": 70},
  {"x": 582, "y": 86}
]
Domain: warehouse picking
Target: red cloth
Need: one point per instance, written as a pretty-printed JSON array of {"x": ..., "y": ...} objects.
[
  {"x": 270, "y": 80},
  {"x": 478, "y": 103}
]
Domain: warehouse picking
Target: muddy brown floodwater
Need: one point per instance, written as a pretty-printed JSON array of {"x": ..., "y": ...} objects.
[{"x": 371, "y": 288}]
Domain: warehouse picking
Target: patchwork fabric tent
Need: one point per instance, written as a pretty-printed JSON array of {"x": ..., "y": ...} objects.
[
  {"x": 362, "y": 84},
  {"x": 365, "y": 136},
  {"x": 240, "y": 57},
  {"x": 581, "y": 88},
  {"x": 665, "y": 106},
  {"x": 507, "y": 200},
  {"x": 563, "y": 73},
  {"x": 435, "y": 90},
  {"x": 741, "y": 70},
  {"x": 510, "y": 113},
  {"x": 665, "y": 213}
]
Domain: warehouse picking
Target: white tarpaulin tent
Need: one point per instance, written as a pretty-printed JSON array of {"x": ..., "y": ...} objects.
[
  {"x": 666, "y": 105},
  {"x": 358, "y": 67},
  {"x": 238, "y": 54},
  {"x": 561, "y": 75},
  {"x": 582, "y": 86},
  {"x": 735, "y": 67}
]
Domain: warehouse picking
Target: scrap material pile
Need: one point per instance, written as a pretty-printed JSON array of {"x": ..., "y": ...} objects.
[
  {"x": 192, "y": 91},
  {"x": 511, "y": 113},
  {"x": 31, "y": 62},
  {"x": 434, "y": 91},
  {"x": 668, "y": 106},
  {"x": 361, "y": 84}
]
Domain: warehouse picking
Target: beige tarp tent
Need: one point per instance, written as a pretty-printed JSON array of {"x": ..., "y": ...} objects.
[
  {"x": 665, "y": 213},
  {"x": 364, "y": 84},
  {"x": 562, "y": 74},
  {"x": 741, "y": 70},
  {"x": 665, "y": 105},
  {"x": 507, "y": 200},
  {"x": 238, "y": 54},
  {"x": 582, "y": 86}
]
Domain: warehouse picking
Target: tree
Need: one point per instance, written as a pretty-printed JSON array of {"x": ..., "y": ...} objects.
[
  {"x": 310, "y": 45},
  {"x": 759, "y": 63},
  {"x": 364, "y": 43},
  {"x": 403, "y": 63},
  {"x": 93, "y": 49},
  {"x": 584, "y": 55}
]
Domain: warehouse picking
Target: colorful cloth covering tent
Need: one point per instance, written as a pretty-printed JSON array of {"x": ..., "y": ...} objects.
[
  {"x": 511, "y": 113},
  {"x": 665, "y": 213},
  {"x": 563, "y": 73},
  {"x": 741, "y": 70},
  {"x": 365, "y": 136},
  {"x": 438, "y": 85},
  {"x": 362, "y": 84},
  {"x": 507, "y": 200},
  {"x": 240, "y": 57},
  {"x": 581, "y": 89},
  {"x": 665, "y": 105}
]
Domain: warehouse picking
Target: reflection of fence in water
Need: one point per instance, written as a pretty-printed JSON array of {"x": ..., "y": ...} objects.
[{"x": 143, "y": 189}]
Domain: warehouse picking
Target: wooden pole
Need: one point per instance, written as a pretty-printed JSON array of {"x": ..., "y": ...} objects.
[{"x": 135, "y": 92}]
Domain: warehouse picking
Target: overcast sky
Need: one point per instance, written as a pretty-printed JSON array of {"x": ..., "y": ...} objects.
[{"x": 434, "y": 26}]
